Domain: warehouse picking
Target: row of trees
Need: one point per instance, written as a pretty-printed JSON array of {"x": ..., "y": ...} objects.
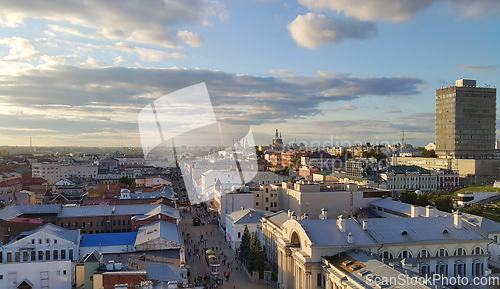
[
  {"x": 372, "y": 153},
  {"x": 251, "y": 252},
  {"x": 126, "y": 180},
  {"x": 441, "y": 202}
]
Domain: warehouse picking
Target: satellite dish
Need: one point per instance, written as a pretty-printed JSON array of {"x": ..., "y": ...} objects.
[{"x": 321, "y": 217}]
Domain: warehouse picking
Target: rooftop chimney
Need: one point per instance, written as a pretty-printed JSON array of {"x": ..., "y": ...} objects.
[
  {"x": 428, "y": 211},
  {"x": 341, "y": 223},
  {"x": 294, "y": 217},
  {"x": 305, "y": 216},
  {"x": 324, "y": 213},
  {"x": 457, "y": 216},
  {"x": 365, "y": 225},
  {"x": 289, "y": 214},
  {"x": 414, "y": 211},
  {"x": 349, "y": 238}
]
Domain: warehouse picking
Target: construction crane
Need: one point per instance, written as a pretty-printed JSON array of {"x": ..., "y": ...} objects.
[{"x": 403, "y": 137}]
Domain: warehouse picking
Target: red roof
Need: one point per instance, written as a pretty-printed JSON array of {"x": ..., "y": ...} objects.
[
  {"x": 9, "y": 183},
  {"x": 25, "y": 220},
  {"x": 32, "y": 181}
]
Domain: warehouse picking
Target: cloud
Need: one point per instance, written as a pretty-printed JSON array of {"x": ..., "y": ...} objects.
[
  {"x": 92, "y": 62},
  {"x": 393, "y": 111},
  {"x": 312, "y": 29},
  {"x": 399, "y": 10},
  {"x": 481, "y": 68},
  {"x": 237, "y": 99},
  {"x": 118, "y": 61},
  {"x": 193, "y": 40},
  {"x": 157, "y": 23},
  {"x": 150, "y": 55},
  {"x": 345, "y": 107},
  {"x": 281, "y": 72},
  {"x": 20, "y": 49}
]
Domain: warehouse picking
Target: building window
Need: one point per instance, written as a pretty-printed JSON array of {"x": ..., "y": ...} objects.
[
  {"x": 256, "y": 203},
  {"x": 56, "y": 255},
  {"x": 114, "y": 222},
  {"x": 90, "y": 224},
  {"x": 63, "y": 254},
  {"x": 9, "y": 257},
  {"x": 32, "y": 241},
  {"x": 71, "y": 254},
  {"x": 459, "y": 252},
  {"x": 119, "y": 222},
  {"x": 47, "y": 255},
  {"x": 478, "y": 251},
  {"x": 128, "y": 222},
  {"x": 64, "y": 272},
  {"x": 239, "y": 235},
  {"x": 102, "y": 223},
  {"x": 55, "y": 241},
  {"x": 25, "y": 256},
  {"x": 40, "y": 241},
  {"x": 40, "y": 255},
  {"x": 97, "y": 224},
  {"x": 386, "y": 255},
  {"x": 318, "y": 280},
  {"x": 405, "y": 254},
  {"x": 442, "y": 253},
  {"x": 267, "y": 200},
  {"x": 459, "y": 269},
  {"x": 47, "y": 241}
]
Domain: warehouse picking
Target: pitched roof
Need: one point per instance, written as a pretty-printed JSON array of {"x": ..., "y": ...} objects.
[
  {"x": 51, "y": 229},
  {"x": 486, "y": 226},
  {"x": 406, "y": 208},
  {"x": 278, "y": 218},
  {"x": 108, "y": 239},
  {"x": 124, "y": 210},
  {"x": 158, "y": 229},
  {"x": 408, "y": 230},
  {"x": 404, "y": 169},
  {"x": 13, "y": 211},
  {"x": 247, "y": 216},
  {"x": 325, "y": 233}
]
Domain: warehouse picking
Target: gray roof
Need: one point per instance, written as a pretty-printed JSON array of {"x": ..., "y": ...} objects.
[
  {"x": 88, "y": 211},
  {"x": 325, "y": 233},
  {"x": 390, "y": 230},
  {"x": 164, "y": 272},
  {"x": 17, "y": 210},
  {"x": 247, "y": 216},
  {"x": 486, "y": 226},
  {"x": 69, "y": 235},
  {"x": 406, "y": 208},
  {"x": 278, "y": 217},
  {"x": 158, "y": 229}
]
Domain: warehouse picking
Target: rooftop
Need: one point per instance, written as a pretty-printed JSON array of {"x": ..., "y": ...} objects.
[
  {"x": 158, "y": 229},
  {"x": 421, "y": 230},
  {"x": 405, "y": 169},
  {"x": 248, "y": 216},
  {"x": 108, "y": 239},
  {"x": 325, "y": 233}
]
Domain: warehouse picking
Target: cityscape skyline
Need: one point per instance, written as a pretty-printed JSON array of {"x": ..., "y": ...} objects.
[{"x": 317, "y": 70}]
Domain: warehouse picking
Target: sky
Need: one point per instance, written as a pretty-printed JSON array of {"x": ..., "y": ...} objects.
[{"x": 329, "y": 71}]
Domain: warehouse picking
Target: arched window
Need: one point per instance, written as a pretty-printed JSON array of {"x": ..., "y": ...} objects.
[
  {"x": 442, "y": 253},
  {"x": 423, "y": 254},
  {"x": 405, "y": 254},
  {"x": 295, "y": 240},
  {"x": 459, "y": 252},
  {"x": 477, "y": 251},
  {"x": 386, "y": 255}
]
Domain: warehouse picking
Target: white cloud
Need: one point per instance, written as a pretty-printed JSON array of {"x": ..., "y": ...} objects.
[
  {"x": 20, "y": 49},
  {"x": 150, "y": 55},
  {"x": 281, "y": 72},
  {"x": 481, "y": 68},
  {"x": 156, "y": 23},
  {"x": 119, "y": 61},
  {"x": 399, "y": 10},
  {"x": 312, "y": 29},
  {"x": 193, "y": 40},
  {"x": 92, "y": 63}
]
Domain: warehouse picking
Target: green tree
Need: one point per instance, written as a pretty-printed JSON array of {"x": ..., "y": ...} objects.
[
  {"x": 444, "y": 203},
  {"x": 408, "y": 197},
  {"x": 423, "y": 200},
  {"x": 476, "y": 209},
  {"x": 256, "y": 255},
  {"x": 429, "y": 154},
  {"x": 126, "y": 180},
  {"x": 244, "y": 253}
]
